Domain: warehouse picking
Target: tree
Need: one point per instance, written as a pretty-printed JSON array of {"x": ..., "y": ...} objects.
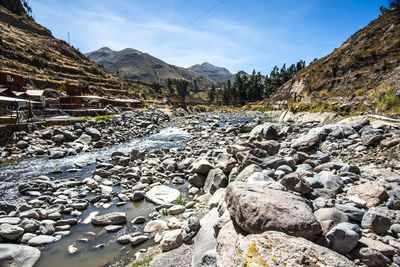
[
  {"x": 28, "y": 9},
  {"x": 195, "y": 86},
  {"x": 156, "y": 87},
  {"x": 169, "y": 83},
  {"x": 211, "y": 94},
  {"x": 182, "y": 88}
]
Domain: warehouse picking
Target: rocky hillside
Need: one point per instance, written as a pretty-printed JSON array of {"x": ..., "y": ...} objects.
[
  {"x": 136, "y": 65},
  {"x": 30, "y": 49},
  {"x": 218, "y": 74},
  {"x": 364, "y": 66}
]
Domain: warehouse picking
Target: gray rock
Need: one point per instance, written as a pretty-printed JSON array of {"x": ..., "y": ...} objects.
[
  {"x": 373, "y": 258},
  {"x": 181, "y": 256},
  {"x": 172, "y": 239},
  {"x": 93, "y": 133},
  {"x": 267, "y": 131},
  {"x": 7, "y": 207},
  {"x": 350, "y": 168},
  {"x": 10, "y": 220},
  {"x": 12, "y": 255},
  {"x": 84, "y": 139},
  {"x": 247, "y": 172},
  {"x": 139, "y": 220},
  {"x": 197, "y": 179},
  {"x": 10, "y": 232},
  {"x": 139, "y": 239},
  {"x": 296, "y": 183},
  {"x": 215, "y": 179},
  {"x": 176, "y": 209},
  {"x": 161, "y": 194},
  {"x": 204, "y": 240},
  {"x": 112, "y": 228},
  {"x": 201, "y": 166},
  {"x": 110, "y": 218},
  {"x": 155, "y": 226},
  {"x": 193, "y": 223},
  {"x": 277, "y": 249},
  {"x": 329, "y": 217},
  {"x": 379, "y": 223},
  {"x": 41, "y": 240},
  {"x": 137, "y": 154},
  {"x": 208, "y": 259},
  {"x": 353, "y": 213},
  {"x": 256, "y": 209},
  {"x": 29, "y": 226},
  {"x": 344, "y": 237},
  {"x": 138, "y": 195},
  {"x": 326, "y": 184},
  {"x": 310, "y": 140}
]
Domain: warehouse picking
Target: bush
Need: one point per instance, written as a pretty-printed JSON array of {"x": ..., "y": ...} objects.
[{"x": 181, "y": 200}]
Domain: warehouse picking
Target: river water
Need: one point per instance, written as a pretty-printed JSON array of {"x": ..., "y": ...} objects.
[{"x": 86, "y": 236}]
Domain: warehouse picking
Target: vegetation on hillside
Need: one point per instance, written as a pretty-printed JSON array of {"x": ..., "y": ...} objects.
[{"x": 254, "y": 87}]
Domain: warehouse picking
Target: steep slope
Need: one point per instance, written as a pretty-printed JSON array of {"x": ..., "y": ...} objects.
[
  {"x": 133, "y": 64},
  {"x": 367, "y": 64},
  {"x": 30, "y": 49},
  {"x": 218, "y": 74}
]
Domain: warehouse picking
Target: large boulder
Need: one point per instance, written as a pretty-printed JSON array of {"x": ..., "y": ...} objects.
[
  {"x": 277, "y": 249},
  {"x": 110, "y": 218},
  {"x": 12, "y": 255},
  {"x": 215, "y": 179},
  {"x": 161, "y": 194},
  {"x": 256, "y": 209},
  {"x": 204, "y": 240},
  {"x": 181, "y": 256}
]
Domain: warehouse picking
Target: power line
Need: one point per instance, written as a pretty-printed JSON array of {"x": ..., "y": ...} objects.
[{"x": 187, "y": 24}]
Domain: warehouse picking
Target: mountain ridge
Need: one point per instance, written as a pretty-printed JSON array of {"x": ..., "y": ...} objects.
[{"x": 137, "y": 65}]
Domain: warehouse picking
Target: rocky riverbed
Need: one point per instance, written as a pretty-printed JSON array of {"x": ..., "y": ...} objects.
[{"x": 237, "y": 192}]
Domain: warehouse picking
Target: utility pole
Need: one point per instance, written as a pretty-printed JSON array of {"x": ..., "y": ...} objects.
[{"x": 69, "y": 40}]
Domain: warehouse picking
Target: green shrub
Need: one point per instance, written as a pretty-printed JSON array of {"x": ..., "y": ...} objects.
[
  {"x": 181, "y": 200},
  {"x": 143, "y": 263},
  {"x": 164, "y": 212}
]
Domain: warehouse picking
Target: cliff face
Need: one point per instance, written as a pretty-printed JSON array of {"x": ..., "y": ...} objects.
[
  {"x": 31, "y": 50},
  {"x": 368, "y": 62}
]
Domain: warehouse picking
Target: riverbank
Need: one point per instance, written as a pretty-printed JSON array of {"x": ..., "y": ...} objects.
[{"x": 210, "y": 185}]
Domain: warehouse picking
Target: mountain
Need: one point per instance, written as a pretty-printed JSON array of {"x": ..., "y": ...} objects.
[
  {"x": 136, "y": 65},
  {"x": 364, "y": 66},
  {"x": 218, "y": 74},
  {"x": 30, "y": 49}
]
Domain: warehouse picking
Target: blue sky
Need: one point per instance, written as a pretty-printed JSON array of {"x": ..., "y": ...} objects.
[{"x": 236, "y": 34}]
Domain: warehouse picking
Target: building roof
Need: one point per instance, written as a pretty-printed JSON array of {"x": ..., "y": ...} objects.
[
  {"x": 34, "y": 92},
  {"x": 13, "y": 99},
  {"x": 18, "y": 93}
]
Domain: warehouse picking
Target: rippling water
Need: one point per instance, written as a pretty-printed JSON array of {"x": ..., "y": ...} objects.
[{"x": 11, "y": 175}]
